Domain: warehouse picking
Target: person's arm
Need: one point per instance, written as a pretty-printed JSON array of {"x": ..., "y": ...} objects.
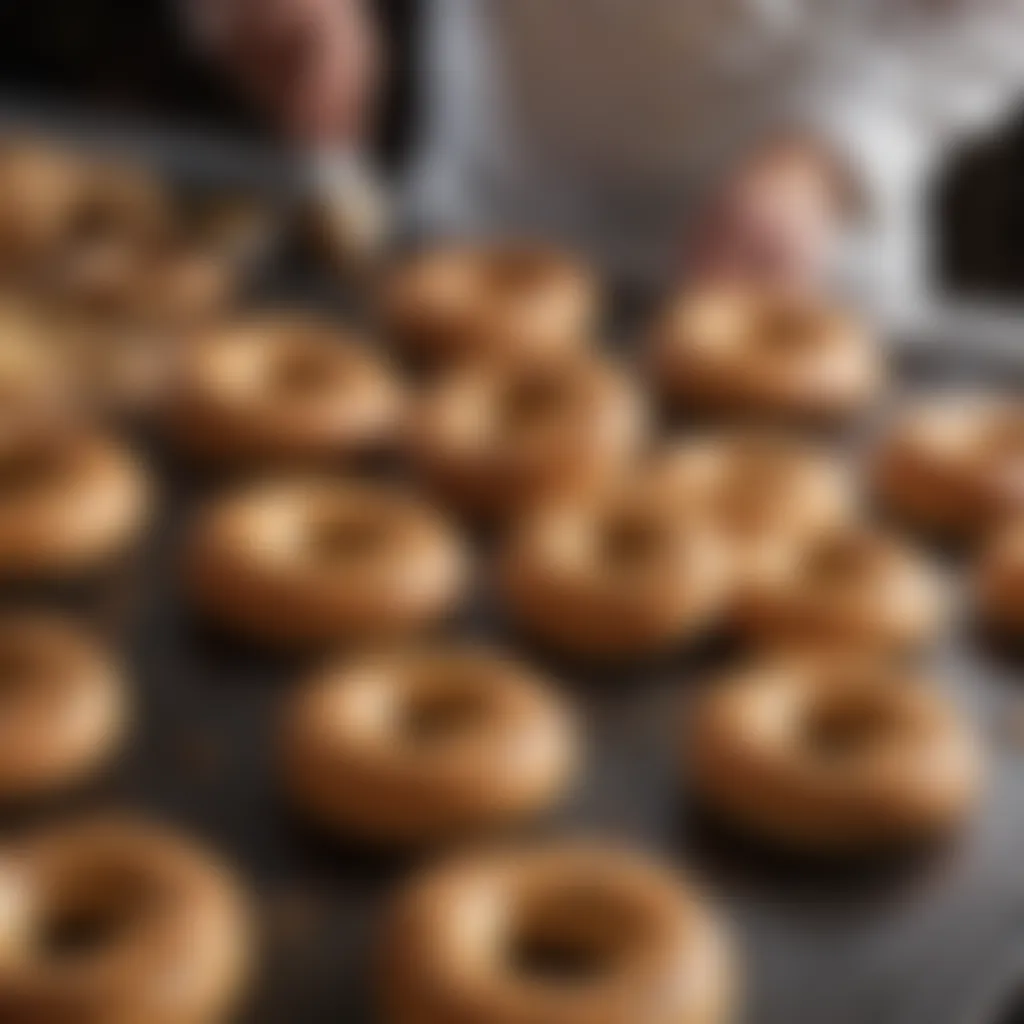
[
  {"x": 776, "y": 217},
  {"x": 853, "y": 131},
  {"x": 311, "y": 67}
]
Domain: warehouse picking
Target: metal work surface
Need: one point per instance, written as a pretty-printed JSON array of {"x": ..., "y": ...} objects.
[{"x": 933, "y": 939}]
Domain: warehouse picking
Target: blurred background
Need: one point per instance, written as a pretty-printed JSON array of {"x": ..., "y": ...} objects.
[{"x": 132, "y": 59}]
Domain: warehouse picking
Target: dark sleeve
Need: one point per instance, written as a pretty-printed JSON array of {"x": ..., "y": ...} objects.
[
  {"x": 980, "y": 211},
  {"x": 112, "y": 55}
]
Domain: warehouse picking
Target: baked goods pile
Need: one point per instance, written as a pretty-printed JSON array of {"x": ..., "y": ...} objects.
[{"x": 471, "y": 446}]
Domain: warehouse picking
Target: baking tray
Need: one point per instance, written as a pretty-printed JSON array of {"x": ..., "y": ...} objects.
[{"x": 937, "y": 938}]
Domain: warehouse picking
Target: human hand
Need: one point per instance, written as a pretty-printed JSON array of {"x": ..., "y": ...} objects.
[
  {"x": 311, "y": 66},
  {"x": 776, "y": 221}
]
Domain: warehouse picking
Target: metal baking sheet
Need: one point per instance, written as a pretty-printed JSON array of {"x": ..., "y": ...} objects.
[{"x": 936, "y": 940}]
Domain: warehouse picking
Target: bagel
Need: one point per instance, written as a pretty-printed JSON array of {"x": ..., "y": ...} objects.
[
  {"x": 57, "y": 363},
  {"x": 954, "y": 466},
  {"x": 728, "y": 351},
  {"x": 119, "y": 370},
  {"x": 314, "y": 561},
  {"x": 568, "y": 932},
  {"x": 164, "y": 280},
  {"x": 850, "y": 586},
  {"x": 613, "y": 576},
  {"x": 114, "y": 922},
  {"x": 469, "y": 299},
  {"x": 759, "y": 491},
  {"x": 280, "y": 389},
  {"x": 63, "y": 705},
  {"x": 40, "y": 187},
  {"x": 832, "y": 754},
  {"x": 70, "y": 503},
  {"x": 493, "y": 437},
  {"x": 103, "y": 236},
  {"x": 99, "y": 215},
  {"x": 425, "y": 745}
]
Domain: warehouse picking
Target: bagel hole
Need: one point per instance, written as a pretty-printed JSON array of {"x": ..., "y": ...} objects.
[
  {"x": 348, "y": 539},
  {"x": 516, "y": 270},
  {"x": 630, "y": 543},
  {"x": 301, "y": 370},
  {"x": 787, "y": 329},
  {"x": 562, "y": 952},
  {"x": 759, "y": 469},
  {"x": 22, "y": 472},
  {"x": 18, "y": 667},
  {"x": 443, "y": 717},
  {"x": 94, "y": 921},
  {"x": 839, "y": 561},
  {"x": 749, "y": 512},
  {"x": 94, "y": 223},
  {"x": 533, "y": 402},
  {"x": 575, "y": 930},
  {"x": 846, "y": 730}
]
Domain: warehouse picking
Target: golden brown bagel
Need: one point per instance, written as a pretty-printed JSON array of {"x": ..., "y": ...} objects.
[
  {"x": 56, "y": 363},
  {"x": 426, "y": 745},
  {"x": 496, "y": 436},
  {"x": 108, "y": 213},
  {"x": 115, "y": 922},
  {"x": 314, "y": 561},
  {"x": 489, "y": 298},
  {"x": 62, "y": 705},
  {"x": 615, "y": 575},
  {"x": 833, "y": 754},
  {"x": 116, "y": 200},
  {"x": 40, "y": 188},
  {"x": 163, "y": 281},
  {"x": 727, "y": 351},
  {"x": 103, "y": 236},
  {"x": 954, "y": 465},
  {"x": 281, "y": 389},
  {"x": 69, "y": 503},
  {"x": 571, "y": 932},
  {"x": 850, "y": 586},
  {"x": 759, "y": 491},
  {"x": 119, "y": 369}
]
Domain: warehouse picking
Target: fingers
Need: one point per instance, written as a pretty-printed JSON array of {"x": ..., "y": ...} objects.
[
  {"x": 312, "y": 66},
  {"x": 776, "y": 222},
  {"x": 330, "y": 93},
  {"x": 767, "y": 243}
]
